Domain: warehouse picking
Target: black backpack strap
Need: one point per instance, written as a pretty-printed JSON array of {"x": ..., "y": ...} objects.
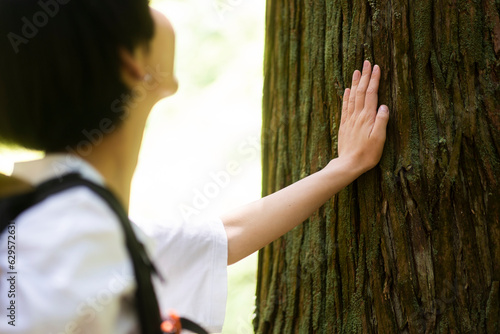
[
  {"x": 175, "y": 324},
  {"x": 11, "y": 207},
  {"x": 192, "y": 326},
  {"x": 145, "y": 297}
]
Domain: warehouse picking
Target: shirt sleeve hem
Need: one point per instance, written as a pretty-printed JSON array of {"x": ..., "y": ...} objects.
[{"x": 219, "y": 277}]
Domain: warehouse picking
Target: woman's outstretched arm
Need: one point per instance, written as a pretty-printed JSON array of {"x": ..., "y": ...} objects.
[{"x": 361, "y": 140}]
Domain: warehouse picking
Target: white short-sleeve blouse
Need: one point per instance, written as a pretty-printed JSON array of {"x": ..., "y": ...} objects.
[{"x": 74, "y": 274}]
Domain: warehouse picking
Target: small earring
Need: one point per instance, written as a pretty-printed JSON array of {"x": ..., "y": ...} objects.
[{"x": 147, "y": 78}]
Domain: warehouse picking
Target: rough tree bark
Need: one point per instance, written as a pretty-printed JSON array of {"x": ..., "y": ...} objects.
[{"x": 412, "y": 246}]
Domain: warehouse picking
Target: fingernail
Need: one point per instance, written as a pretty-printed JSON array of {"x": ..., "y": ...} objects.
[
  {"x": 376, "y": 68},
  {"x": 366, "y": 65},
  {"x": 356, "y": 75},
  {"x": 384, "y": 109}
]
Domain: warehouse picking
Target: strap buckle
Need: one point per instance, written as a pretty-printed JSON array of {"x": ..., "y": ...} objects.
[{"x": 172, "y": 325}]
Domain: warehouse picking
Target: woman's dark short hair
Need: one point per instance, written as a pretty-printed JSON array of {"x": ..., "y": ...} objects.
[{"x": 60, "y": 76}]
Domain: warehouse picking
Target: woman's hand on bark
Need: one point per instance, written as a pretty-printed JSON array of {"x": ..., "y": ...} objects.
[{"x": 362, "y": 130}]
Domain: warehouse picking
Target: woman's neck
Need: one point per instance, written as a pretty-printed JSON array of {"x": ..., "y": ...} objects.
[{"x": 116, "y": 157}]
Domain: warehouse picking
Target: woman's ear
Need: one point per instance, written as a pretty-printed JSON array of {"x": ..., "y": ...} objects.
[{"x": 133, "y": 68}]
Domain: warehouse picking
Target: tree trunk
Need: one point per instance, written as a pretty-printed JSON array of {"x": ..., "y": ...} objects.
[{"x": 412, "y": 246}]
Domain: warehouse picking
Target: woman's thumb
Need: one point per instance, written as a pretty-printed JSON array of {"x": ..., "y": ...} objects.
[{"x": 380, "y": 126}]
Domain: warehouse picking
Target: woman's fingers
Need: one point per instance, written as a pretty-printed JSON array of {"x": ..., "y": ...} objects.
[
  {"x": 345, "y": 106},
  {"x": 363, "y": 85},
  {"x": 352, "y": 96},
  {"x": 363, "y": 94},
  {"x": 371, "y": 97}
]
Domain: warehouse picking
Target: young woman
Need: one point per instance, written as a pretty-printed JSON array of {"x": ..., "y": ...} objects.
[{"x": 78, "y": 79}]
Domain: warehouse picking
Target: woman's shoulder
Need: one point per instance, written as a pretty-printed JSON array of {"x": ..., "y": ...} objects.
[
  {"x": 71, "y": 234},
  {"x": 72, "y": 207}
]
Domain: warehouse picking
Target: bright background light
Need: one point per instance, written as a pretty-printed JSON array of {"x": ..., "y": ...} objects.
[{"x": 214, "y": 120}]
